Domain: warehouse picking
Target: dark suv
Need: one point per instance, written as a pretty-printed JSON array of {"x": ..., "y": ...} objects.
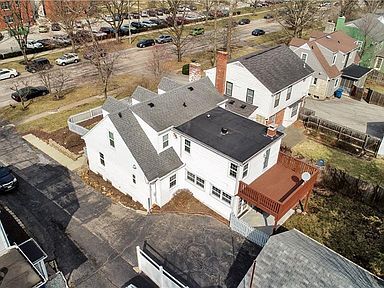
[
  {"x": 8, "y": 181},
  {"x": 145, "y": 43},
  {"x": 38, "y": 65}
]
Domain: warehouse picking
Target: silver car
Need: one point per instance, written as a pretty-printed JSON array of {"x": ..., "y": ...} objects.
[
  {"x": 6, "y": 73},
  {"x": 67, "y": 59}
]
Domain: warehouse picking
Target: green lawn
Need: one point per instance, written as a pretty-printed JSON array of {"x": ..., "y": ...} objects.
[
  {"x": 347, "y": 226},
  {"x": 370, "y": 170}
]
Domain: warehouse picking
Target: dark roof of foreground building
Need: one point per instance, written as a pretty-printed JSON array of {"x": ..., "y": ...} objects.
[
  {"x": 153, "y": 165},
  {"x": 244, "y": 137},
  {"x": 240, "y": 107},
  {"x": 355, "y": 71},
  {"x": 276, "y": 68},
  {"x": 167, "y": 84},
  {"x": 179, "y": 105},
  {"x": 292, "y": 259},
  {"x": 17, "y": 270}
]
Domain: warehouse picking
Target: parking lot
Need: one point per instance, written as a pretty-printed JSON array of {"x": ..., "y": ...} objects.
[{"x": 358, "y": 115}]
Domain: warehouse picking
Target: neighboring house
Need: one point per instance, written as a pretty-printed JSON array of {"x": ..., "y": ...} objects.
[
  {"x": 6, "y": 15},
  {"x": 368, "y": 33},
  {"x": 274, "y": 81},
  {"x": 378, "y": 62},
  {"x": 292, "y": 259},
  {"x": 185, "y": 139},
  {"x": 333, "y": 56}
]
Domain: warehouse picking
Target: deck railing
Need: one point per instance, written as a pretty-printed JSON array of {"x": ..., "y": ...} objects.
[{"x": 278, "y": 208}]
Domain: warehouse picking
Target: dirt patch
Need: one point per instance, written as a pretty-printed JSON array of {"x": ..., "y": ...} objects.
[
  {"x": 66, "y": 138},
  {"x": 184, "y": 203},
  {"x": 106, "y": 188}
]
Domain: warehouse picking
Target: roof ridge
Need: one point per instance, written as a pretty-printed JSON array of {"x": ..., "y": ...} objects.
[{"x": 246, "y": 57}]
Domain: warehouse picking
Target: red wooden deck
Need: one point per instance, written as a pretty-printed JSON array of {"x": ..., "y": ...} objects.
[{"x": 280, "y": 188}]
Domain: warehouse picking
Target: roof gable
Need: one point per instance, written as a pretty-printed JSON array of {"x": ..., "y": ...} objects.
[
  {"x": 166, "y": 84},
  {"x": 335, "y": 41},
  {"x": 276, "y": 68},
  {"x": 142, "y": 94}
]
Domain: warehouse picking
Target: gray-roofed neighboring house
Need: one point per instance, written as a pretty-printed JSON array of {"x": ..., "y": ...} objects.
[
  {"x": 179, "y": 105},
  {"x": 154, "y": 165},
  {"x": 293, "y": 259},
  {"x": 142, "y": 94},
  {"x": 112, "y": 105},
  {"x": 166, "y": 84},
  {"x": 276, "y": 68}
]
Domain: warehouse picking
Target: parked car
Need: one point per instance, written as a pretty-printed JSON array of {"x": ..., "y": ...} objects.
[
  {"x": 160, "y": 12},
  {"x": 90, "y": 53},
  {"x": 152, "y": 13},
  {"x": 67, "y": 59},
  {"x": 55, "y": 27},
  {"x": 38, "y": 65},
  {"x": 258, "y": 32},
  {"x": 124, "y": 30},
  {"x": 6, "y": 73},
  {"x": 47, "y": 42},
  {"x": 29, "y": 93},
  {"x": 164, "y": 39},
  {"x": 137, "y": 25},
  {"x": 148, "y": 23},
  {"x": 244, "y": 21},
  {"x": 144, "y": 14},
  {"x": 135, "y": 15},
  {"x": 62, "y": 40},
  {"x": 197, "y": 31},
  {"x": 43, "y": 29},
  {"x": 32, "y": 44},
  {"x": 82, "y": 36},
  {"x": 145, "y": 43},
  {"x": 108, "y": 30},
  {"x": 268, "y": 16},
  {"x": 99, "y": 35},
  {"x": 8, "y": 181}
]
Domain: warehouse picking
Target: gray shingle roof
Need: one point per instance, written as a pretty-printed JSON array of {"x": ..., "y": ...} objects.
[
  {"x": 240, "y": 107},
  {"x": 153, "y": 165},
  {"x": 371, "y": 24},
  {"x": 276, "y": 68},
  {"x": 112, "y": 105},
  {"x": 292, "y": 259},
  {"x": 167, "y": 84},
  {"x": 141, "y": 94},
  {"x": 179, "y": 105}
]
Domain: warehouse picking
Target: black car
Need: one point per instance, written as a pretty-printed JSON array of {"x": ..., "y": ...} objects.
[
  {"x": 8, "y": 181},
  {"x": 164, "y": 39},
  {"x": 48, "y": 42},
  {"x": 29, "y": 93},
  {"x": 244, "y": 21},
  {"x": 145, "y": 43},
  {"x": 108, "y": 30},
  {"x": 38, "y": 65},
  {"x": 55, "y": 27},
  {"x": 258, "y": 32},
  {"x": 137, "y": 25}
]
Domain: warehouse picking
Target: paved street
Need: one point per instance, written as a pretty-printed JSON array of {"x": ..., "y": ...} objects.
[
  {"x": 94, "y": 240},
  {"x": 132, "y": 60}
]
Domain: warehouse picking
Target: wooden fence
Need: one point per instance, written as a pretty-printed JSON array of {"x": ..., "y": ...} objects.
[
  {"x": 374, "y": 97},
  {"x": 340, "y": 136},
  {"x": 252, "y": 234},
  {"x": 376, "y": 76}
]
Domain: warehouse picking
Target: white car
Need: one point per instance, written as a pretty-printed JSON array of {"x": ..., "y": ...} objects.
[
  {"x": 32, "y": 44},
  {"x": 148, "y": 23},
  {"x": 67, "y": 59},
  {"x": 144, "y": 14},
  {"x": 8, "y": 73}
]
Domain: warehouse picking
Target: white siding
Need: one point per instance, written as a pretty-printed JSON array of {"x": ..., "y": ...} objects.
[{"x": 120, "y": 165}]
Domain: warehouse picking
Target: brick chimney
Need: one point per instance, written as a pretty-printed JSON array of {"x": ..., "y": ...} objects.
[
  {"x": 221, "y": 71},
  {"x": 194, "y": 72},
  {"x": 271, "y": 131}
]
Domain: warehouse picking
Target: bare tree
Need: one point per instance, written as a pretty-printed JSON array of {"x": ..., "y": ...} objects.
[
  {"x": 18, "y": 18},
  {"x": 158, "y": 61},
  {"x": 254, "y": 4},
  {"x": 349, "y": 8},
  {"x": 22, "y": 88},
  {"x": 55, "y": 82},
  {"x": 181, "y": 39},
  {"x": 112, "y": 12},
  {"x": 295, "y": 16}
]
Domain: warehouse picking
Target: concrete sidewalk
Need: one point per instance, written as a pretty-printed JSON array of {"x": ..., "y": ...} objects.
[{"x": 54, "y": 153}]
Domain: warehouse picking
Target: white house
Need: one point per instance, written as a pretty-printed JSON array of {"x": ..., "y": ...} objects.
[
  {"x": 274, "y": 81},
  {"x": 183, "y": 138}
]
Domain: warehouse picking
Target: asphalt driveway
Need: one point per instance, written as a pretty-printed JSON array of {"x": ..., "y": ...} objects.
[
  {"x": 94, "y": 240},
  {"x": 358, "y": 115}
]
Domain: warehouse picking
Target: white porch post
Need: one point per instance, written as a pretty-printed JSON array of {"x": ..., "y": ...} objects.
[
  {"x": 235, "y": 206},
  {"x": 138, "y": 257}
]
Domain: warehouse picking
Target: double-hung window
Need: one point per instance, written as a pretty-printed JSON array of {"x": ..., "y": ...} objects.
[
  {"x": 266, "y": 158},
  {"x": 245, "y": 170},
  {"x": 277, "y": 99},
  {"x": 221, "y": 195},
  {"x": 172, "y": 181},
  {"x": 314, "y": 81},
  {"x": 196, "y": 179},
  {"x": 250, "y": 95},
  {"x": 187, "y": 146},
  {"x": 233, "y": 170},
  {"x": 134, "y": 178},
  {"x": 289, "y": 93},
  {"x": 294, "y": 110},
  {"x": 304, "y": 57},
  {"x": 200, "y": 182},
  {"x": 228, "y": 88},
  {"x": 111, "y": 139},
  {"x": 191, "y": 177},
  {"x": 101, "y": 156},
  {"x": 165, "y": 141},
  {"x": 379, "y": 63}
]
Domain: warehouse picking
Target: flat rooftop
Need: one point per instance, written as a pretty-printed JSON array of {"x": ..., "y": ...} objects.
[
  {"x": 228, "y": 133},
  {"x": 17, "y": 270}
]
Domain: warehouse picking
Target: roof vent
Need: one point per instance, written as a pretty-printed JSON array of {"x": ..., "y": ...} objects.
[
  {"x": 120, "y": 114},
  {"x": 190, "y": 88},
  {"x": 224, "y": 131},
  {"x": 208, "y": 115},
  {"x": 151, "y": 105},
  {"x": 184, "y": 104},
  {"x": 243, "y": 106},
  {"x": 328, "y": 37},
  {"x": 231, "y": 102},
  {"x": 338, "y": 41}
]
